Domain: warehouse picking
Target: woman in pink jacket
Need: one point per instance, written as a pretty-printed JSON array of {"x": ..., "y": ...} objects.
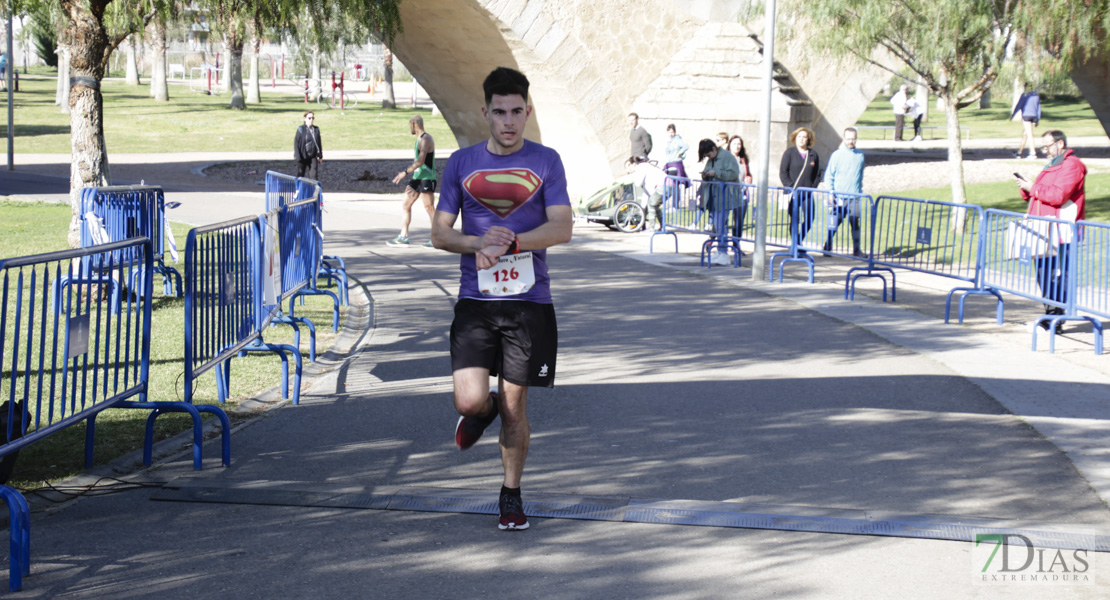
[{"x": 1058, "y": 192}]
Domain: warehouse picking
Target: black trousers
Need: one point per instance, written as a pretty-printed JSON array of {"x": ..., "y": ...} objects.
[{"x": 312, "y": 167}]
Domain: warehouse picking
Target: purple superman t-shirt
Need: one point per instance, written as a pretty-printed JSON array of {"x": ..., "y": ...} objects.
[{"x": 513, "y": 191}]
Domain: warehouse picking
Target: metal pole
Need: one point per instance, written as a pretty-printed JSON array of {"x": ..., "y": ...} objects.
[
  {"x": 759, "y": 257},
  {"x": 8, "y": 86}
]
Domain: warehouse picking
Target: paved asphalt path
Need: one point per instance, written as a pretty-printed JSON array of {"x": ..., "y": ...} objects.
[{"x": 673, "y": 384}]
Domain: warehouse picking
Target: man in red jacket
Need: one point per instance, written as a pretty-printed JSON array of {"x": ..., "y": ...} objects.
[{"x": 1059, "y": 193}]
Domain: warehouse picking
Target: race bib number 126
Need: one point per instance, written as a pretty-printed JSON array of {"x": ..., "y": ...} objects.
[{"x": 514, "y": 274}]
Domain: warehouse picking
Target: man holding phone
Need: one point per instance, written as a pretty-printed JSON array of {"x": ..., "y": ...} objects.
[{"x": 1059, "y": 192}]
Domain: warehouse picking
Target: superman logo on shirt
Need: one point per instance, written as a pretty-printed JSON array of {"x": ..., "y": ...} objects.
[{"x": 502, "y": 191}]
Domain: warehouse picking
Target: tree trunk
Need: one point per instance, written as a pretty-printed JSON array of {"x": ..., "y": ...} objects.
[
  {"x": 955, "y": 161},
  {"x": 159, "y": 88},
  {"x": 985, "y": 99},
  {"x": 61, "y": 96},
  {"x": 132, "y": 64},
  {"x": 254, "y": 91},
  {"x": 234, "y": 44},
  {"x": 390, "y": 101},
  {"x": 86, "y": 121},
  {"x": 315, "y": 70}
]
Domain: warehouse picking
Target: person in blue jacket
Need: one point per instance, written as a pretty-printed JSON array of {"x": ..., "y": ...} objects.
[
  {"x": 1029, "y": 105},
  {"x": 844, "y": 174}
]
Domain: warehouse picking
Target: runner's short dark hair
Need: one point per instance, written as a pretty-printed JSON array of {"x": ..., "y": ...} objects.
[{"x": 504, "y": 81}]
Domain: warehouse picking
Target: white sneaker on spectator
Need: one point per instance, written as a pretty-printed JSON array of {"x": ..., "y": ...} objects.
[{"x": 916, "y": 138}]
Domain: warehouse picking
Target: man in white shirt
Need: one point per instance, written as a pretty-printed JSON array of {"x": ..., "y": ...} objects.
[{"x": 899, "y": 102}]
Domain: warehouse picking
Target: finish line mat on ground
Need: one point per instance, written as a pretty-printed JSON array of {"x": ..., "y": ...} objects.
[{"x": 634, "y": 510}]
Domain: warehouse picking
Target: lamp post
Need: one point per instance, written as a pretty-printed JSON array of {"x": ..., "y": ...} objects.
[{"x": 759, "y": 257}]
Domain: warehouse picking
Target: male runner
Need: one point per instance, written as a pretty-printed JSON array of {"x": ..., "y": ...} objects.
[
  {"x": 512, "y": 194},
  {"x": 423, "y": 182}
]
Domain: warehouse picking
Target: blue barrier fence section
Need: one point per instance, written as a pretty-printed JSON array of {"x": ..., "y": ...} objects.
[
  {"x": 711, "y": 208},
  {"x": 280, "y": 189},
  {"x": 126, "y": 212},
  {"x": 1039, "y": 258},
  {"x": 925, "y": 236},
  {"x": 796, "y": 209},
  {"x": 778, "y": 216},
  {"x": 300, "y": 260},
  {"x": 333, "y": 268},
  {"x": 221, "y": 290},
  {"x": 1092, "y": 281},
  {"x": 67, "y": 354},
  {"x": 232, "y": 291}
]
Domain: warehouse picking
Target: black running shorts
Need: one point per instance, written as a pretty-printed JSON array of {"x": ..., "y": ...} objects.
[
  {"x": 515, "y": 338},
  {"x": 423, "y": 186}
]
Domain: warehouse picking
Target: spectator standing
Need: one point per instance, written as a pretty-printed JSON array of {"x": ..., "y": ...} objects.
[
  {"x": 736, "y": 148},
  {"x": 719, "y": 166},
  {"x": 844, "y": 174},
  {"x": 740, "y": 153},
  {"x": 1059, "y": 191},
  {"x": 676, "y": 153},
  {"x": 640, "y": 138},
  {"x": 650, "y": 180},
  {"x": 915, "y": 108},
  {"x": 3, "y": 71},
  {"x": 722, "y": 139},
  {"x": 308, "y": 148},
  {"x": 900, "y": 103},
  {"x": 800, "y": 168},
  {"x": 1029, "y": 106}
]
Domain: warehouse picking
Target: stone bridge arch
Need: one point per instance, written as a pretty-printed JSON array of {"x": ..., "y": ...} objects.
[{"x": 591, "y": 62}]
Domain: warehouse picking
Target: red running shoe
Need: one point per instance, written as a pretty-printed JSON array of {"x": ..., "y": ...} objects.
[
  {"x": 470, "y": 429},
  {"x": 512, "y": 514}
]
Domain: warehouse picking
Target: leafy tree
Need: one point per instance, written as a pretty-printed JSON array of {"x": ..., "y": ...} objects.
[
  {"x": 955, "y": 47},
  {"x": 45, "y": 34},
  {"x": 91, "y": 44}
]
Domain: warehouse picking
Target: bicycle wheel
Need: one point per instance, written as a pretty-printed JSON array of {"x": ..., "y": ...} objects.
[{"x": 349, "y": 101}]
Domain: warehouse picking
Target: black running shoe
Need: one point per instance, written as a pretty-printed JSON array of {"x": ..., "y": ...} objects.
[
  {"x": 512, "y": 513},
  {"x": 470, "y": 429}
]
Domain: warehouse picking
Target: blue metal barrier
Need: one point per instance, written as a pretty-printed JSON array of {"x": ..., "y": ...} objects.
[
  {"x": 281, "y": 189},
  {"x": 925, "y": 236},
  {"x": 66, "y": 363},
  {"x": 1091, "y": 292},
  {"x": 790, "y": 219},
  {"x": 703, "y": 207},
  {"x": 127, "y": 212},
  {"x": 1038, "y": 258},
  {"x": 333, "y": 268},
  {"x": 226, "y": 301},
  {"x": 300, "y": 260}
]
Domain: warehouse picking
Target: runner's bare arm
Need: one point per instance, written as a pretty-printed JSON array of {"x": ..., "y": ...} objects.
[
  {"x": 557, "y": 230},
  {"x": 426, "y": 145}
]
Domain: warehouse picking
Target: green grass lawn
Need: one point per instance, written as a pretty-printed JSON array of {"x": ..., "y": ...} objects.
[
  {"x": 193, "y": 121},
  {"x": 40, "y": 228},
  {"x": 1004, "y": 195},
  {"x": 1072, "y": 115}
]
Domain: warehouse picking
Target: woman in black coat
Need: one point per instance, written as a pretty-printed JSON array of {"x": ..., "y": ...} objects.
[{"x": 800, "y": 168}]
